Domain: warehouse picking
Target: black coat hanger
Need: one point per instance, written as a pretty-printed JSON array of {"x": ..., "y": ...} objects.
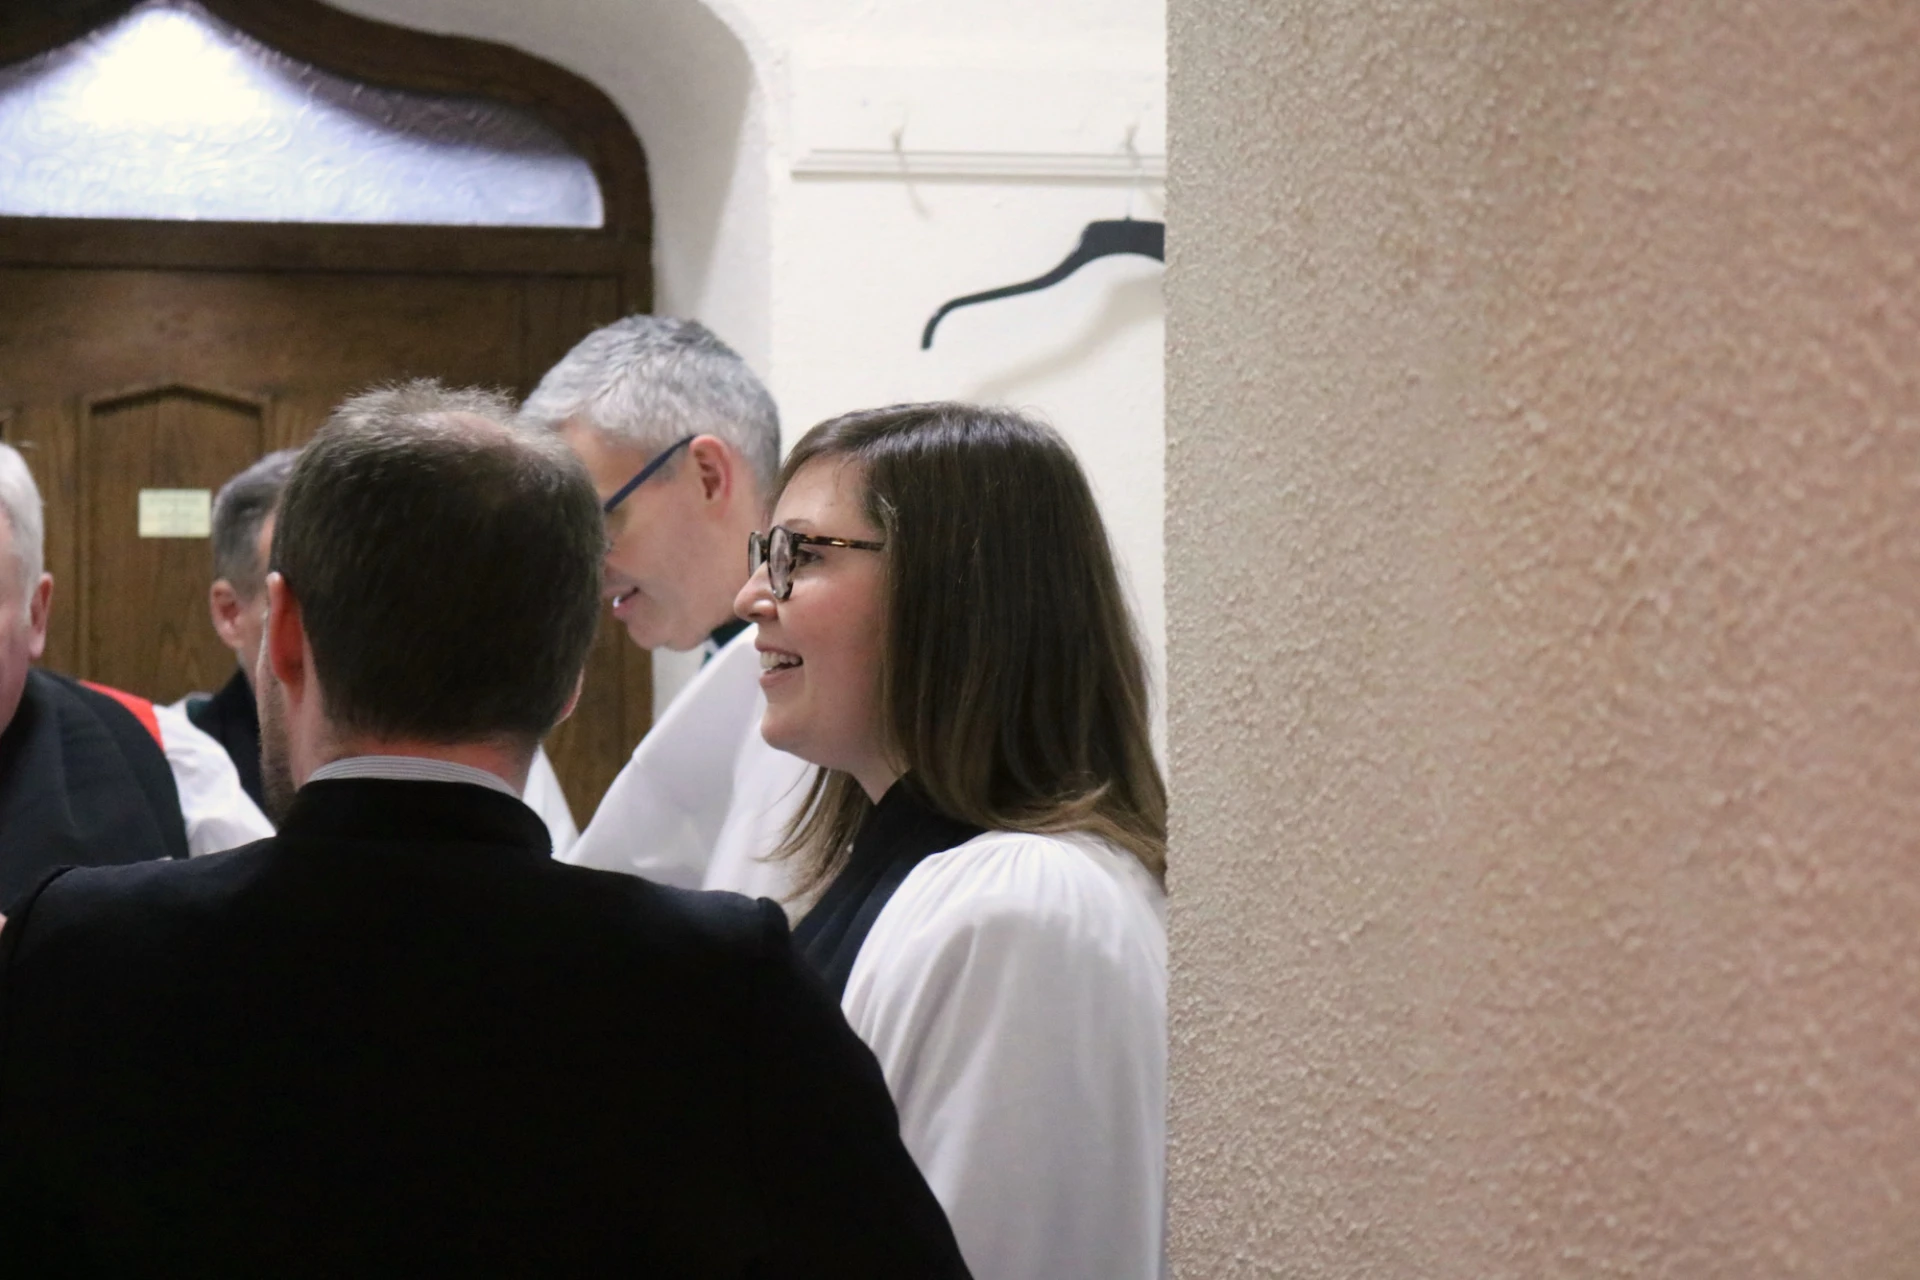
[{"x": 1099, "y": 240}]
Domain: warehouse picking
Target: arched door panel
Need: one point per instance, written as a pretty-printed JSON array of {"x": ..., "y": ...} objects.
[{"x": 150, "y": 462}]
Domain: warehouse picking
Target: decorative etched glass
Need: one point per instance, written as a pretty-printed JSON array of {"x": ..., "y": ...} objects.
[{"x": 170, "y": 113}]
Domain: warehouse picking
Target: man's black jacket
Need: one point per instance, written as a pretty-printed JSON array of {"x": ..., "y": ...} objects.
[{"x": 399, "y": 1039}]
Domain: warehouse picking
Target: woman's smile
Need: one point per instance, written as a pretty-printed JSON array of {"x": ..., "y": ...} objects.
[{"x": 775, "y": 663}]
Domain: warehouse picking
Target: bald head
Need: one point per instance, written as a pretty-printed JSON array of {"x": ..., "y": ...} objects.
[
  {"x": 20, "y": 507},
  {"x": 25, "y": 589}
]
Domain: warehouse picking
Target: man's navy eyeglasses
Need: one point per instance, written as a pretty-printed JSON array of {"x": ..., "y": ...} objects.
[{"x": 659, "y": 461}]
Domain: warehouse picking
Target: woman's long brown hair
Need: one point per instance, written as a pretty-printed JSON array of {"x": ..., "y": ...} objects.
[{"x": 1012, "y": 684}]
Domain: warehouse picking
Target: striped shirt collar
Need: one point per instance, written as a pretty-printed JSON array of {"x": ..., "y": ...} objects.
[{"x": 411, "y": 769}]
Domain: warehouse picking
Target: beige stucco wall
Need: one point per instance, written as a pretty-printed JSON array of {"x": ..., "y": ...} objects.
[{"x": 1544, "y": 595}]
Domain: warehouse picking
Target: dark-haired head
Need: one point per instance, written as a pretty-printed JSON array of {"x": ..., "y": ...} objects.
[
  {"x": 240, "y": 511},
  {"x": 1007, "y": 678},
  {"x": 242, "y": 530},
  {"x": 446, "y": 566}
]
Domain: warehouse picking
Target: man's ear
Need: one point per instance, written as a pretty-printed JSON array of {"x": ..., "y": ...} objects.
[
  {"x": 714, "y": 464},
  {"x": 284, "y": 650},
  {"x": 224, "y": 607},
  {"x": 39, "y": 609},
  {"x": 579, "y": 682}
]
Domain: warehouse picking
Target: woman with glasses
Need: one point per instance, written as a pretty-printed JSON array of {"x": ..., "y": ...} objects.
[{"x": 943, "y": 633}]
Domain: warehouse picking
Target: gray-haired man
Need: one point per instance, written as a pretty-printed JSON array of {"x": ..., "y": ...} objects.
[
  {"x": 90, "y": 775},
  {"x": 683, "y": 443}
]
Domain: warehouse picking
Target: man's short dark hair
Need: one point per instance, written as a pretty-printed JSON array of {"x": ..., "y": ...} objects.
[
  {"x": 447, "y": 569},
  {"x": 241, "y": 507}
]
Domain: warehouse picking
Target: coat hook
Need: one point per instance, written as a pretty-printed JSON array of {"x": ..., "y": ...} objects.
[{"x": 1097, "y": 240}]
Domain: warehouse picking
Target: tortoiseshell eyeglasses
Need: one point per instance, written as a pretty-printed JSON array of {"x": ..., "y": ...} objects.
[{"x": 775, "y": 548}]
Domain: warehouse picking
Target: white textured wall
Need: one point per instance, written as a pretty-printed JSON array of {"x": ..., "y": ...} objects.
[
  {"x": 823, "y": 279},
  {"x": 1544, "y": 574}
]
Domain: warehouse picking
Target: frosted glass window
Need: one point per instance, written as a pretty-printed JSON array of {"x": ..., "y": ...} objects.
[{"x": 170, "y": 113}]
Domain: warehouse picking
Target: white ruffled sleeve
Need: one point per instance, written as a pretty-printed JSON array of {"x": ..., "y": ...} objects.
[
  {"x": 1014, "y": 991},
  {"x": 219, "y": 813}
]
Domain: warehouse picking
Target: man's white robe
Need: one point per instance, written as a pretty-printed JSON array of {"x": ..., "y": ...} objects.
[
  {"x": 218, "y": 812},
  {"x": 704, "y": 798}
]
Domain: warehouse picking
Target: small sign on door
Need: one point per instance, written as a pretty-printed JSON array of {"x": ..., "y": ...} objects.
[{"x": 176, "y": 513}]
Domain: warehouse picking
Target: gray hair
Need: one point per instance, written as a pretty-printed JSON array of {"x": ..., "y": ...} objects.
[
  {"x": 649, "y": 381},
  {"x": 386, "y": 408},
  {"x": 20, "y": 504},
  {"x": 241, "y": 507}
]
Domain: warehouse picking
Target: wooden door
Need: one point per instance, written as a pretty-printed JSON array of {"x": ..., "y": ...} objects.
[
  {"x": 138, "y": 627},
  {"x": 163, "y": 356}
]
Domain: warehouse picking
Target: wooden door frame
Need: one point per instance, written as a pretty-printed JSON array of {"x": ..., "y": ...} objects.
[{"x": 393, "y": 57}]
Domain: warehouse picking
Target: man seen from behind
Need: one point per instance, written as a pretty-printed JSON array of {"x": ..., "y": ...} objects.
[{"x": 243, "y": 517}]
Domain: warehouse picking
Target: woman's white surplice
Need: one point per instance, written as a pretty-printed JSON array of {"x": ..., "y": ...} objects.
[{"x": 1014, "y": 989}]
